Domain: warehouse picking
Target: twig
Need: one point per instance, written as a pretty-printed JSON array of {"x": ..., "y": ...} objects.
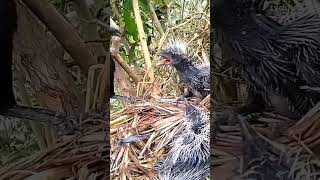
[{"x": 144, "y": 46}]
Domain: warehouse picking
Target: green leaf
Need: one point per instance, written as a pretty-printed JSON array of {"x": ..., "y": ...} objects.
[
  {"x": 129, "y": 21},
  {"x": 144, "y": 6},
  {"x": 161, "y": 2},
  {"x": 130, "y": 25},
  {"x": 127, "y": 5}
]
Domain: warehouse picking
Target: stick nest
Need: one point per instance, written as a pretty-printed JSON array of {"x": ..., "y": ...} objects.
[
  {"x": 295, "y": 142},
  {"x": 82, "y": 156},
  {"x": 156, "y": 123}
]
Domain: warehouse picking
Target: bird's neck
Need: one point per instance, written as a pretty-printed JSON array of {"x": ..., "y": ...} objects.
[{"x": 185, "y": 66}]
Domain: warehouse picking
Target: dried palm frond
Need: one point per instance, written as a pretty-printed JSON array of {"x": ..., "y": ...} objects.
[
  {"x": 83, "y": 156},
  {"x": 273, "y": 147},
  {"x": 147, "y": 128}
]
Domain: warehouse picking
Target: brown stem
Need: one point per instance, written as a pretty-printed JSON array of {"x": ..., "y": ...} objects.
[
  {"x": 63, "y": 31},
  {"x": 131, "y": 73},
  {"x": 115, "y": 41},
  {"x": 155, "y": 19},
  {"x": 144, "y": 46}
]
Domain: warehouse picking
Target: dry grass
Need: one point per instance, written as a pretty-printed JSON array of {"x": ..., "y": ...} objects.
[
  {"x": 297, "y": 143},
  {"x": 82, "y": 156},
  {"x": 160, "y": 120}
]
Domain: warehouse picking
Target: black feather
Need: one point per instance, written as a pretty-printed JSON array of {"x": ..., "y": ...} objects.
[
  {"x": 195, "y": 78},
  {"x": 260, "y": 159},
  {"x": 272, "y": 57},
  {"x": 190, "y": 152}
]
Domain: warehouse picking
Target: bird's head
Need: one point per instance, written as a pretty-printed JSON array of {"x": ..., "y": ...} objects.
[
  {"x": 231, "y": 13},
  {"x": 196, "y": 119},
  {"x": 174, "y": 54}
]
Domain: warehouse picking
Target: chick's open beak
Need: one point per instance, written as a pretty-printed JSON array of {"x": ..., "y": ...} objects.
[{"x": 163, "y": 61}]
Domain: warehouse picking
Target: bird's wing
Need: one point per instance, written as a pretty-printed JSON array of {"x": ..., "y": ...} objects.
[
  {"x": 262, "y": 65},
  {"x": 271, "y": 69},
  {"x": 204, "y": 76},
  {"x": 301, "y": 40}
]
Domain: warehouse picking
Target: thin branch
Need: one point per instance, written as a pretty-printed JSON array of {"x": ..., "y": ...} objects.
[
  {"x": 63, "y": 31},
  {"x": 144, "y": 46},
  {"x": 115, "y": 54},
  {"x": 155, "y": 19}
]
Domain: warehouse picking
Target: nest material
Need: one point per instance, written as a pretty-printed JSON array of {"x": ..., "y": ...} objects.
[
  {"x": 293, "y": 142},
  {"x": 300, "y": 138},
  {"x": 82, "y": 156},
  {"x": 160, "y": 121}
]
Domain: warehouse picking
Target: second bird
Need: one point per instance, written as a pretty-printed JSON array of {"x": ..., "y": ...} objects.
[
  {"x": 276, "y": 60},
  {"x": 195, "y": 77}
]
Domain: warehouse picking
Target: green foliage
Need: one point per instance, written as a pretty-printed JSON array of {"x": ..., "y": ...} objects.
[
  {"x": 161, "y": 2},
  {"x": 130, "y": 27},
  {"x": 169, "y": 13},
  {"x": 144, "y": 6}
]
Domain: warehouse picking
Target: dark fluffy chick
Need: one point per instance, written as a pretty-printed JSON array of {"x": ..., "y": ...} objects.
[
  {"x": 261, "y": 158},
  {"x": 195, "y": 78},
  {"x": 188, "y": 158},
  {"x": 276, "y": 60}
]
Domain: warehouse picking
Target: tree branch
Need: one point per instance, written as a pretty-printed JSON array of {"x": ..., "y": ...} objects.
[
  {"x": 63, "y": 31},
  {"x": 115, "y": 54},
  {"x": 155, "y": 19},
  {"x": 144, "y": 46}
]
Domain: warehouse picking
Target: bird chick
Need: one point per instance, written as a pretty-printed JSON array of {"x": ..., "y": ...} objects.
[
  {"x": 190, "y": 152},
  {"x": 195, "y": 78},
  {"x": 276, "y": 60},
  {"x": 260, "y": 157},
  {"x": 264, "y": 158}
]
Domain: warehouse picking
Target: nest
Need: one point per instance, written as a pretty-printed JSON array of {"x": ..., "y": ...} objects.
[
  {"x": 295, "y": 142},
  {"x": 82, "y": 156},
  {"x": 141, "y": 134}
]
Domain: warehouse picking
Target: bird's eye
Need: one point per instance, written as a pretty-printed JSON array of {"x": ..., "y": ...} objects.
[{"x": 197, "y": 131}]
